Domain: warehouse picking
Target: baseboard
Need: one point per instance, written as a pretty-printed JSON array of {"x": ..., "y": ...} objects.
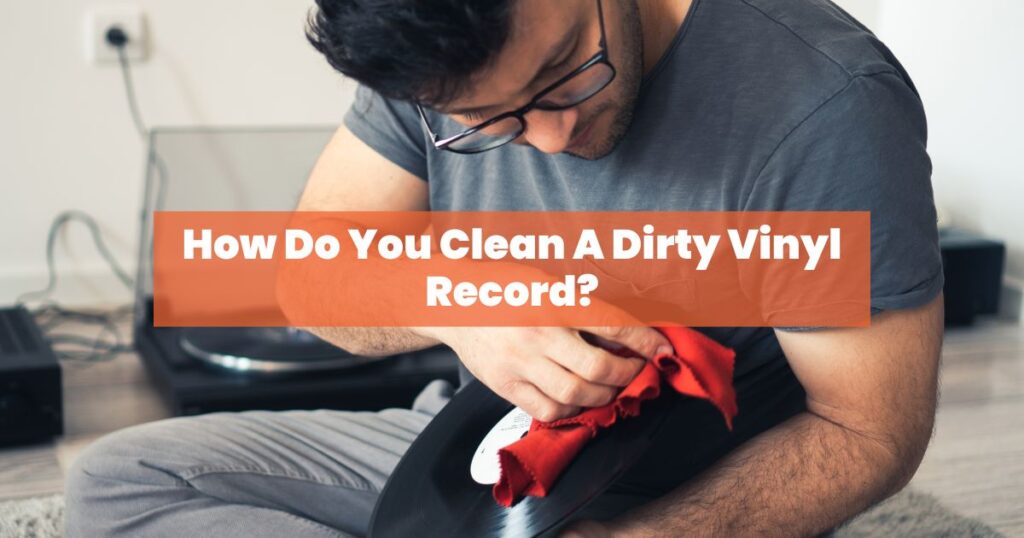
[{"x": 80, "y": 286}]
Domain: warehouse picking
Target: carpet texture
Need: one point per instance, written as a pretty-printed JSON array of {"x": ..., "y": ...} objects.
[
  {"x": 38, "y": 517},
  {"x": 908, "y": 514},
  {"x": 912, "y": 514}
]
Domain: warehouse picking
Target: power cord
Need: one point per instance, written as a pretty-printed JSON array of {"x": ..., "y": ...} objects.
[
  {"x": 50, "y": 315},
  {"x": 118, "y": 39},
  {"x": 63, "y": 219},
  {"x": 71, "y": 346}
]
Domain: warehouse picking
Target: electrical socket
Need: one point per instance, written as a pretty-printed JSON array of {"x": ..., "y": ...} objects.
[{"x": 100, "y": 19}]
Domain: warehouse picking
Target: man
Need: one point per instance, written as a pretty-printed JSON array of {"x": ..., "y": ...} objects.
[{"x": 589, "y": 105}]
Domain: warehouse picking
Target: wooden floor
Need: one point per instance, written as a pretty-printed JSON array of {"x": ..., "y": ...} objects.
[{"x": 975, "y": 464}]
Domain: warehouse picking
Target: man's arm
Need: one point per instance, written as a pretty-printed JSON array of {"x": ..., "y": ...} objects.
[
  {"x": 351, "y": 176},
  {"x": 550, "y": 372},
  {"x": 871, "y": 396}
]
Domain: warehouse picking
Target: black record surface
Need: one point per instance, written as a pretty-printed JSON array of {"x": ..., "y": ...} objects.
[
  {"x": 268, "y": 349},
  {"x": 431, "y": 492}
]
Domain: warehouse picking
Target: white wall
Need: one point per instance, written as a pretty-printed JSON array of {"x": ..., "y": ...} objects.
[
  {"x": 66, "y": 139},
  {"x": 866, "y": 11},
  {"x": 967, "y": 59}
]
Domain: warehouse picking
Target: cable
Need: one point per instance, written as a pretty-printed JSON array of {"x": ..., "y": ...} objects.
[
  {"x": 50, "y": 315},
  {"x": 118, "y": 39},
  {"x": 59, "y": 222},
  {"x": 129, "y": 90},
  {"x": 106, "y": 345}
]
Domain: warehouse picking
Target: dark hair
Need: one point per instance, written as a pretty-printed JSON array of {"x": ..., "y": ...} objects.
[{"x": 413, "y": 50}]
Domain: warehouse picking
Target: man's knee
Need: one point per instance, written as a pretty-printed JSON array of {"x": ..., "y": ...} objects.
[
  {"x": 111, "y": 476},
  {"x": 120, "y": 455}
]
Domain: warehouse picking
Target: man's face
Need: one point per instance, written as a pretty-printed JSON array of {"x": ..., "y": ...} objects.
[{"x": 547, "y": 41}]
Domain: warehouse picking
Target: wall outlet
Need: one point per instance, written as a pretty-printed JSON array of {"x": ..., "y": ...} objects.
[{"x": 100, "y": 19}]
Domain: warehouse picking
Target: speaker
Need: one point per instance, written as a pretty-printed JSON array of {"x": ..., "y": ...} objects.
[
  {"x": 973, "y": 267},
  {"x": 31, "y": 406}
]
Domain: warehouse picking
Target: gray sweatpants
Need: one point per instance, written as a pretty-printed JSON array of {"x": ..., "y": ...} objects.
[
  {"x": 252, "y": 474},
  {"x": 319, "y": 473}
]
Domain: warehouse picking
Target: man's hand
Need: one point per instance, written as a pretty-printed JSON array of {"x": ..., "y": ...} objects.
[{"x": 551, "y": 372}]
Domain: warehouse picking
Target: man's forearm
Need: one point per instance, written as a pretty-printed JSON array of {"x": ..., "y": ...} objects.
[
  {"x": 800, "y": 478},
  {"x": 374, "y": 341}
]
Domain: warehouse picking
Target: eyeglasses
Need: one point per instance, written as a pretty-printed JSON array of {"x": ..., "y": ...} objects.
[{"x": 569, "y": 91}]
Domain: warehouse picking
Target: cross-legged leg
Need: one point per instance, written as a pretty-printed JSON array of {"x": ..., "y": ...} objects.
[{"x": 302, "y": 473}]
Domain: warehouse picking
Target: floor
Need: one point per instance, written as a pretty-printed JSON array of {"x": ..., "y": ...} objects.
[{"x": 975, "y": 464}]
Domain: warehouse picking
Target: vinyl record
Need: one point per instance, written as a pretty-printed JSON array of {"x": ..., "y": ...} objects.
[
  {"x": 265, "y": 349},
  {"x": 432, "y": 493}
]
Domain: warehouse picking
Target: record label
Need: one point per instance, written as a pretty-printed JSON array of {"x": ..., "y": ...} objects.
[{"x": 485, "y": 468}]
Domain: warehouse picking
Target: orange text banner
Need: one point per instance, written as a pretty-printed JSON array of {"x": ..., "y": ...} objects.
[{"x": 511, "y": 268}]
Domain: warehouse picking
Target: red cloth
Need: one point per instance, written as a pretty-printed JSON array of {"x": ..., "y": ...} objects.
[{"x": 700, "y": 367}]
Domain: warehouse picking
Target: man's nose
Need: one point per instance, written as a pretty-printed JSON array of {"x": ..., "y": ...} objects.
[{"x": 550, "y": 130}]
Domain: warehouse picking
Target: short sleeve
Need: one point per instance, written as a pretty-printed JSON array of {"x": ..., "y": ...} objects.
[
  {"x": 864, "y": 149},
  {"x": 392, "y": 128}
]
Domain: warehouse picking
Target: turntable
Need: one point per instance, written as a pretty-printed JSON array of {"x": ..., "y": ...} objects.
[
  {"x": 265, "y": 349},
  {"x": 208, "y": 381},
  {"x": 201, "y": 370}
]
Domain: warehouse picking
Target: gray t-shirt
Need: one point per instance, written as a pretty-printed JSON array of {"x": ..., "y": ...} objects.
[{"x": 756, "y": 105}]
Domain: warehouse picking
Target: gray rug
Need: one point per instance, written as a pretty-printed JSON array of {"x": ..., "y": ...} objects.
[
  {"x": 38, "y": 517},
  {"x": 912, "y": 514},
  {"x": 908, "y": 514}
]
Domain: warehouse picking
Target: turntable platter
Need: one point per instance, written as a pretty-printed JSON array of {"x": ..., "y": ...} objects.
[{"x": 266, "y": 349}]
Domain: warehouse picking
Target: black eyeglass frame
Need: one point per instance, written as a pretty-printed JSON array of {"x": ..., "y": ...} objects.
[{"x": 601, "y": 57}]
